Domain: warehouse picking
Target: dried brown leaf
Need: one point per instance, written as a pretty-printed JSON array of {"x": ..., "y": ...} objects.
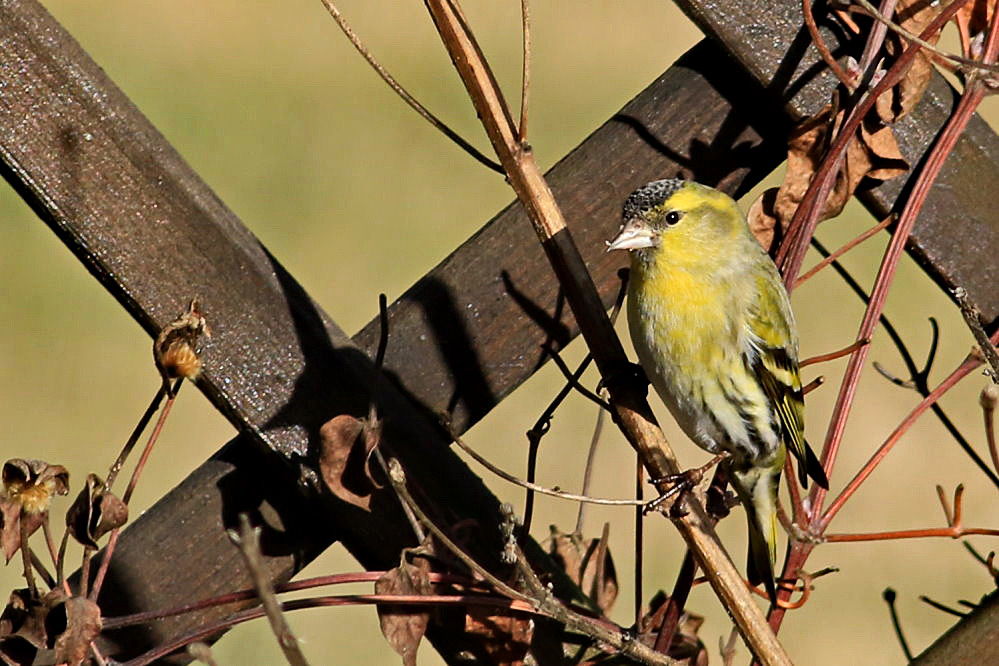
[
  {"x": 589, "y": 563},
  {"x": 762, "y": 218},
  {"x": 404, "y": 626},
  {"x": 914, "y": 16},
  {"x": 95, "y": 512},
  {"x": 342, "y": 460},
  {"x": 506, "y": 638},
  {"x": 884, "y": 159},
  {"x": 972, "y": 20},
  {"x": 873, "y": 153},
  {"x": 686, "y": 644}
]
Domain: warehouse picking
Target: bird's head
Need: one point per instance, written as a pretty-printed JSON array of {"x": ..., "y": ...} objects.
[{"x": 682, "y": 220}]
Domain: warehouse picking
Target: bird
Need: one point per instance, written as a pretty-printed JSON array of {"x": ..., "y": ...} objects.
[{"x": 712, "y": 325}]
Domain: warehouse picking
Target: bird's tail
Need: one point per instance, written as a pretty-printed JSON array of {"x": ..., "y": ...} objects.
[{"x": 757, "y": 489}]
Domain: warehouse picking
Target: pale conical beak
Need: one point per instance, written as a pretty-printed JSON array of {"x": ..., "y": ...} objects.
[{"x": 635, "y": 234}]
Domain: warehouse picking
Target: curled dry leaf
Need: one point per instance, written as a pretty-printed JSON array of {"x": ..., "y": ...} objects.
[
  {"x": 404, "y": 625},
  {"x": 589, "y": 564},
  {"x": 687, "y": 645},
  {"x": 343, "y": 460},
  {"x": 174, "y": 350},
  {"x": 873, "y": 154},
  {"x": 901, "y": 99},
  {"x": 95, "y": 512},
  {"x": 972, "y": 20},
  {"x": 506, "y": 637}
]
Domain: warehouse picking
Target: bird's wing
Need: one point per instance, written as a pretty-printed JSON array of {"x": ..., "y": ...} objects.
[{"x": 773, "y": 360}]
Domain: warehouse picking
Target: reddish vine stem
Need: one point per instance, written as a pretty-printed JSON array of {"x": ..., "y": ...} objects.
[
  {"x": 934, "y": 162},
  {"x": 823, "y": 48},
  {"x": 205, "y": 631},
  {"x": 802, "y": 226},
  {"x": 849, "y": 245}
]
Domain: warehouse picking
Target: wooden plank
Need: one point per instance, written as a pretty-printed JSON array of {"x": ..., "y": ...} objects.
[{"x": 956, "y": 236}]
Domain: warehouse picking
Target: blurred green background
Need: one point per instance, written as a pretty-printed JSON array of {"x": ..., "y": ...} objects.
[{"x": 272, "y": 107}]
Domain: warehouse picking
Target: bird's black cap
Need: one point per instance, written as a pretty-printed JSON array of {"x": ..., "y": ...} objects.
[{"x": 649, "y": 196}]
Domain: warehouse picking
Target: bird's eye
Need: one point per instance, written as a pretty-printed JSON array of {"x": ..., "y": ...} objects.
[{"x": 672, "y": 217}]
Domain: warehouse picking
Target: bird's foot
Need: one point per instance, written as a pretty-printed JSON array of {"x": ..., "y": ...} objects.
[{"x": 680, "y": 484}]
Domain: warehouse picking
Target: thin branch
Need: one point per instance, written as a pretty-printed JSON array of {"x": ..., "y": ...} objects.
[
  {"x": 588, "y": 469},
  {"x": 506, "y": 476},
  {"x": 889, "y": 263},
  {"x": 802, "y": 227},
  {"x": 205, "y": 631},
  {"x": 403, "y": 93},
  {"x": 833, "y": 355},
  {"x": 988, "y": 399},
  {"x": 525, "y": 79},
  {"x": 574, "y": 381},
  {"x": 117, "y": 622},
  {"x": 958, "y": 374},
  {"x": 134, "y": 437},
  {"x": 919, "y": 376},
  {"x": 823, "y": 48},
  {"x": 972, "y": 318},
  {"x": 398, "y": 479},
  {"x": 889, "y": 596},
  {"x": 846, "y": 247},
  {"x": 247, "y": 540},
  {"x": 941, "y": 607}
]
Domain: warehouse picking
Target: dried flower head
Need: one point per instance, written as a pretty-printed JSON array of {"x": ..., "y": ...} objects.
[
  {"x": 174, "y": 349},
  {"x": 31, "y": 484}
]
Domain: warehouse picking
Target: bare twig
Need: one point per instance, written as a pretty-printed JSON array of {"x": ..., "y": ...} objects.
[
  {"x": 397, "y": 88},
  {"x": 506, "y": 476},
  {"x": 988, "y": 399},
  {"x": 941, "y": 607},
  {"x": 546, "y": 602},
  {"x": 525, "y": 81},
  {"x": 588, "y": 470},
  {"x": 889, "y": 596},
  {"x": 959, "y": 373},
  {"x": 833, "y": 355},
  {"x": 134, "y": 437},
  {"x": 919, "y": 376},
  {"x": 846, "y": 247},
  {"x": 398, "y": 479},
  {"x": 972, "y": 318},
  {"x": 572, "y": 380},
  {"x": 823, "y": 48},
  {"x": 247, "y": 539},
  {"x": 29, "y": 574}
]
